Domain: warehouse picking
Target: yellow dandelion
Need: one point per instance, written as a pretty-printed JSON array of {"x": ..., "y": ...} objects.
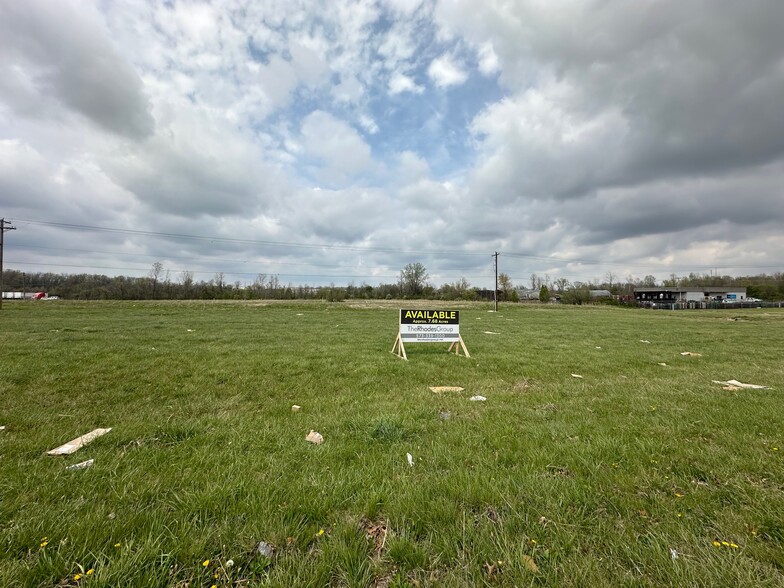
[
  {"x": 725, "y": 544},
  {"x": 321, "y": 532},
  {"x": 679, "y": 495},
  {"x": 117, "y": 545},
  {"x": 90, "y": 571},
  {"x": 716, "y": 544},
  {"x": 775, "y": 449},
  {"x": 77, "y": 577},
  {"x": 44, "y": 543},
  {"x": 680, "y": 514},
  {"x": 215, "y": 575},
  {"x": 205, "y": 563},
  {"x": 734, "y": 545},
  {"x": 533, "y": 541}
]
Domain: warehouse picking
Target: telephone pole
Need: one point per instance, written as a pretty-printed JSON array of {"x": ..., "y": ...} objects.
[
  {"x": 4, "y": 226},
  {"x": 495, "y": 291}
]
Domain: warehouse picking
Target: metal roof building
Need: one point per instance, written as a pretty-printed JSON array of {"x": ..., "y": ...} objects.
[{"x": 689, "y": 294}]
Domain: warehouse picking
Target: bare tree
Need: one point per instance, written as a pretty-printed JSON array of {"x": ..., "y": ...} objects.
[
  {"x": 155, "y": 274},
  {"x": 536, "y": 282},
  {"x": 259, "y": 284}
]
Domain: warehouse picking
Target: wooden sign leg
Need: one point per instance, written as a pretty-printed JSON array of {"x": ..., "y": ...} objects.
[
  {"x": 398, "y": 348},
  {"x": 462, "y": 344},
  {"x": 457, "y": 345}
]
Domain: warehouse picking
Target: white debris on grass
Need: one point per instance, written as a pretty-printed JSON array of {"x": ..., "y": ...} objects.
[
  {"x": 691, "y": 353},
  {"x": 229, "y": 563},
  {"x": 577, "y": 376},
  {"x": 300, "y": 314},
  {"x": 673, "y": 554},
  {"x": 737, "y": 384},
  {"x": 644, "y": 341},
  {"x": 2, "y": 428},
  {"x": 438, "y": 389},
  {"x": 265, "y": 549},
  {"x": 478, "y": 398},
  {"x": 491, "y": 333},
  {"x": 81, "y": 465},
  {"x": 597, "y": 347},
  {"x": 410, "y": 459},
  {"x": 315, "y": 437},
  {"x": 295, "y": 408},
  {"x": 77, "y": 443},
  {"x": 662, "y": 363}
]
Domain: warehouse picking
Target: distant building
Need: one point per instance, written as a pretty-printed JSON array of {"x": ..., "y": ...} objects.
[
  {"x": 690, "y": 294},
  {"x": 527, "y": 293}
]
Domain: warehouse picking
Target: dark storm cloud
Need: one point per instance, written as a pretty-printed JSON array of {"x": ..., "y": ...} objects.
[
  {"x": 51, "y": 52},
  {"x": 742, "y": 200},
  {"x": 639, "y": 93}
]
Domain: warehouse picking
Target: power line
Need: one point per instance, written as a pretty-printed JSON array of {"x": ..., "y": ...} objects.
[{"x": 186, "y": 236}]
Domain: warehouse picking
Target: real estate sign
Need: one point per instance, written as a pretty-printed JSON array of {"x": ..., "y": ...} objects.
[{"x": 429, "y": 326}]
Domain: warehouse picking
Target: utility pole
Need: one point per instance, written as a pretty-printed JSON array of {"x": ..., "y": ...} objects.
[
  {"x": 4, "y": 226},
  {"x": 495, "y": 291}
]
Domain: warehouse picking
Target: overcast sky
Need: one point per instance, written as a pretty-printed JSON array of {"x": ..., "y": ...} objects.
[{"x": 337, "y": 141}]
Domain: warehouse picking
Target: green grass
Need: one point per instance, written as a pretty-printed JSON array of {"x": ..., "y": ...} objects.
[{"x": 566, "y": 481}]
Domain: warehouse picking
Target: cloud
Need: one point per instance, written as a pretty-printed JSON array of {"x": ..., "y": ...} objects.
[
  {"x": 344, "y": 216},
  {"x": 488, "y": 60},
  {"x": 337, "y": 147},
  {"x": 195, "y": 167},
  {"x": 61, "y": 55},
  {"x": 400, "y": 83},
  {"x": 445, "y": 72}
]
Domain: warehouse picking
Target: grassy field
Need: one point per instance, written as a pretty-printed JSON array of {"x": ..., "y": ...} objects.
[{"x": 636, "y": 474}]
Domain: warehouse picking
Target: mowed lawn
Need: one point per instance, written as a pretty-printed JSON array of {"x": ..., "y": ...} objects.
[{"x": 636, "y": 474}]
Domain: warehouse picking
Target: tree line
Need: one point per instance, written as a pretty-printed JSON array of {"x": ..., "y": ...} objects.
[{"x": 413, "y": 282}]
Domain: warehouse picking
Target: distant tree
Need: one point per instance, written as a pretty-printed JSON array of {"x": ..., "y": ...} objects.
[
  {"x": 561, "y": 284},
  {"x": 649, "y": 281},
  {"x": 672, "y": 282},
  {"x": 536, "y": 282},
  {"x": 505, "y": 283},
  {"x": 578, "y": 295},
  {"x": 220, "y": 280},
  {"x": 544, "y": 294},
  {"x": 155, "y": 274},
  {"x": 610, "y": 277},
  {"x": 413, "y": 278}
]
